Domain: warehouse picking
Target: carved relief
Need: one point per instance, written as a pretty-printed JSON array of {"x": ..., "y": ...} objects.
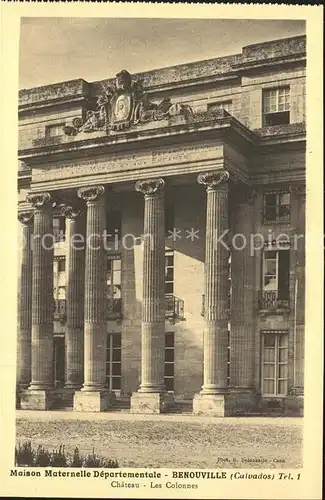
[
  {"x": 213, "y": 180},
  {"x": 149, "y": 187},
  {"x": 69, "y": 212},
  {"x": 38, "y": 200},
  {"x": 92, "y": 193},
  {"x": 123, "y": 104},
  {"x": 25, "y": 217}
]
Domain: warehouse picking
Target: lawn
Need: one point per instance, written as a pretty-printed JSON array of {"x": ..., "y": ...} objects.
[{"x": 172, "y": 444}]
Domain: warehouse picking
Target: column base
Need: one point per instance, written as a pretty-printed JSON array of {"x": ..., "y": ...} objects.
[
  {"x": 93, "y": 400},
  {"x": 224, "y": 405},
  {"x": 211, "y": 405},
  {"x": 31, "y": 399},
  {"x": 242, "y": 401},
  {"x": 151, "y": 402}
]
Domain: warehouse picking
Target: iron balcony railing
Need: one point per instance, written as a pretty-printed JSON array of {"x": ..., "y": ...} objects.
[
  {"x": 174, "y": 307},
  {"x": 114, "y": 308},
  {"x": 268, "y": 300}
]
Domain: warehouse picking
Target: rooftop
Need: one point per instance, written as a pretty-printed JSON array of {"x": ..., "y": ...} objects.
[{"x": 283, "y": 50}]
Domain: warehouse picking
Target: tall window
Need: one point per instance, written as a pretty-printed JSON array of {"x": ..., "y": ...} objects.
[
  {"x": 276, "y": 268},
  {"x": 61, "y": 265},
  {"x": 59, "y": 228},
  {"x": 169, "y": 360},
  {"x": 226, "y": 105},
  {"x": 113, "y": 281},
  {"x": 59, "y": 285},
  {"x": 113, "y": 361},
  {"x": 276, "y": 106},
  {"x": 274, "y": 362},
  {"x": 276, "y": 207},
  {"x": 169, "y": 272},
  {"x": 59, "y": 360}
]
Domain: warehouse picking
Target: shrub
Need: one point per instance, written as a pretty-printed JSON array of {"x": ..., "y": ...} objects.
[
  {"x": 42, "y": 457},
  {"x": 59, "y": 458},
  {"x": 24, "y": 455},
  {"x": 76, "y": 460},
  {"x": 92, "y": 460}
]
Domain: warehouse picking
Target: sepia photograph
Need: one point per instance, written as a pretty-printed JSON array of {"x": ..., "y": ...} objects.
[{"x": 161, "y": 256}]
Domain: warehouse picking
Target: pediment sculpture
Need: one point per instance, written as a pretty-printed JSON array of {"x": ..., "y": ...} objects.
[{"x": 123, "y": 104}]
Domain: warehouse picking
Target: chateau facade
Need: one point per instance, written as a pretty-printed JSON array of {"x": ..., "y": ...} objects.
[{"x": 162, "y": 220}]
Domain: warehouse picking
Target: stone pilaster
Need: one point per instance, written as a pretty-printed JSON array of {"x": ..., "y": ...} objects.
[
  {"x": 75, "y": 282},
  {"x": 39, "y": 395},
  {"x": 211, "y": 400},
  {"x": 25, "y": 304},
  {"x": 297, "y": 257},
  {"x": 243, "y": 329},
  {"x": 152, "y": 397},
  {"x": 94, "y": 395}
]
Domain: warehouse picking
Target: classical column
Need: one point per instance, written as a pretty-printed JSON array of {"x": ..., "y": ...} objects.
[
  {"x": 94, "y": 395},
  {"x": 25, "y": 304},
  {"x": 211, "y": 400},
  {"x": 75, "y": 282},
  {"x": 152, "y": 397},
  {"x": 243, "y": 328},
  {"x": 39, "y": 396}
]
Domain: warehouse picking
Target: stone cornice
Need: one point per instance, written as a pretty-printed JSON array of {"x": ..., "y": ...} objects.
[
  {"x": 72, "y": 89},
  {"x": 274, "y": 61},
  {"x": 177, "y": 131},
  {"x": 171, "y": 130}
]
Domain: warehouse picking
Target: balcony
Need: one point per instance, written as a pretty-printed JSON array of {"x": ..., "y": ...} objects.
[
  {"x": 268, "y": 302},
  {"x": 174, "y": 308},
  {"x": 114, "y": 308},
  {"x": 60, "y": 309}
]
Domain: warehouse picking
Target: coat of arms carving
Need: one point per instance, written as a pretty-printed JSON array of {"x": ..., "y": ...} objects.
[{"x": 123, "y": 104}]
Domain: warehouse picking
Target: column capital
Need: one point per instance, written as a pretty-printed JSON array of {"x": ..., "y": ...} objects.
[
  {"x": 26, "y": 218},
  {"x": 38, "y": 200},
  {"x": 69, "y": 211},
  {"x": 214, "y": 180},
  {"x": 91, "y": 193},
  {"x": 150, "y": 187}
]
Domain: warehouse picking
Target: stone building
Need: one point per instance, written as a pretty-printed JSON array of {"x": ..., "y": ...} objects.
[{"x": 162, "y": 217}]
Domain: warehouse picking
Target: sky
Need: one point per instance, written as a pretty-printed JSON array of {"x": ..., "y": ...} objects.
[{"x": 58, "y": 49}]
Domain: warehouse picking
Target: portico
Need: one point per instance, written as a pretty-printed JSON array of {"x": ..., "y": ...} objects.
[{"x": 84, "y": 208}]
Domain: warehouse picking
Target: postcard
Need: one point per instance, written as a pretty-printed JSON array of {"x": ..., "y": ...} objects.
[{"x": 162, "y": 325}]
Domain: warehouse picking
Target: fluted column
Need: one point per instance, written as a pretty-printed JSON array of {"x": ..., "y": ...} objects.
[
  {"x": 39, "y": 396},
  {"x": 93, "y": 395},
  {"x": 153, "y": 319},
  {"x": 25, "y": 305},
  {"x": 215, "y": 341},
  {"x": 149, "y": 398},
  {"x": 75, "y": 280}
]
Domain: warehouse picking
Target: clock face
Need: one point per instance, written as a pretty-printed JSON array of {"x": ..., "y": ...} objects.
[{"x": 122, "y": 107}]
